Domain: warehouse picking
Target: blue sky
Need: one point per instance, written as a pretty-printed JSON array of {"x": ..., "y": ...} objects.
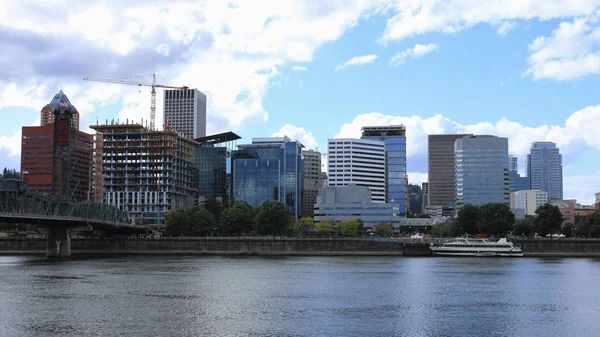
[{"x": 527, "y": 71}]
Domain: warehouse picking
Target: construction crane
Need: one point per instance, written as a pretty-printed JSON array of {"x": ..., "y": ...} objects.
[{"x": 140, "y": 84}]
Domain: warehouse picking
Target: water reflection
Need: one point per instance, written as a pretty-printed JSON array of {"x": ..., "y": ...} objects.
[{"x": 333, "y": 296}]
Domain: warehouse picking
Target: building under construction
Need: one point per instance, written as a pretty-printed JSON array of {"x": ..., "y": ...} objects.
[{"x": 146, "y": 173}]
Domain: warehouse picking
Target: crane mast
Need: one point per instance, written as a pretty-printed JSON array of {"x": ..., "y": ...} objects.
[{"x": 141, "y": 84}]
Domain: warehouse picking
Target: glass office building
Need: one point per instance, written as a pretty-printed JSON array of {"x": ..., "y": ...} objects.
[
  {"x": 544, "y": 168},
  {"x": 269, "y": 169},
  {"x": 211, "y": 163},
  {"x": 517, "y": 183},
  {"x": 481, "y": 164},
  {"x": 394, "y": 138}
]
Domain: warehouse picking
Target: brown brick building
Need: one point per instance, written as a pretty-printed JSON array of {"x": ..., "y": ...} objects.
[{"x": 37, "y": 152}]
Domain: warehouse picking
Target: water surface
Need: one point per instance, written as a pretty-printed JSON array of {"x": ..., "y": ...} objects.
[{"x": 297, "y": 296}]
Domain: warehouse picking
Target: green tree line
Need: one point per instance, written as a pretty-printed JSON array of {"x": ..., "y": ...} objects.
[
  {"x": 271, "y": 218},
  {"x": 496, "y": 219}
]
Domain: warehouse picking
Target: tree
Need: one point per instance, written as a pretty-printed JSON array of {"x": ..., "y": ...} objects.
[
  {"x": 593, "y": 224},
  {"x": 384, "y": 230},
  {"x": 424, "y": 216},
  {"x": 272, "y": 218},
  {"x": 214, "y": 207},
  {"x": 178, "y": 222},
  {"x": 350, "y": 227},
  {"x": 237, "y": 219},
  {"x": 324, "y": 226},
  {"x": 304, "y": 225},
  {"x": 467, "y": 219},
  {"x": 447, "y": 229},
  {"x": 567, "y": 229},
  {"x": 495, "y": 218},
  {"x": 524, "y": 226},
  {"x": 205, "y": 222},
  {"x": 548, "y": 219}
]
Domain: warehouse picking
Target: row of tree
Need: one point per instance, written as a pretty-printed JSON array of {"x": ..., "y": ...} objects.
[
  {"x": 10, "y": 174},
  {"x": 590, "y": 227},
  {"x": 496, "y": 219},
  {"x": 348, "y": 227},
  {"x": 271, "y": 218}
]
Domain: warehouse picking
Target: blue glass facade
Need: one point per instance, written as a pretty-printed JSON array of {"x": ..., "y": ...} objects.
[
  {"x": 211, "y": 163},
  {"x": 544, "y": 168},
  {"x": 269, "y": 169},
  {"x": 518, "y": 183},
  {"x": 481, "y": 164},
  {"x": 394, "y": 138}
]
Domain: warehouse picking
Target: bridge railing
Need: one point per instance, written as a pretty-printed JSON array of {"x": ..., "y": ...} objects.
[{"x": 34, "y": 203}]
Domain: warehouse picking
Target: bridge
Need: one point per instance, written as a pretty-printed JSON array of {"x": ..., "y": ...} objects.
[{"x": 17, "y": 205}]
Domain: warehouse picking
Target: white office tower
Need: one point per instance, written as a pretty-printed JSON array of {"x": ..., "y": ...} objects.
[
  {"x": 185, "y": 112},
  {"x": 357, "y": 161}
]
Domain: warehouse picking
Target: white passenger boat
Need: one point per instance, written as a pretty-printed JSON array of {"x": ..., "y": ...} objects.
[{"x": 477, "y": 247}]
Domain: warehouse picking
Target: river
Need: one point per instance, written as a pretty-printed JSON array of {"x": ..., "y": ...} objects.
[{"x": 296, "y": 296}]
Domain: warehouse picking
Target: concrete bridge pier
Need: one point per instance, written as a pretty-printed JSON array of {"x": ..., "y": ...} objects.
[{"x": 58, "y": 243}]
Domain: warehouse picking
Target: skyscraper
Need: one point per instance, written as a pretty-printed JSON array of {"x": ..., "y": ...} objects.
[
  {"x": 357, "y": 161},
  {"x": 185, "y": 112},
  {"x": 544, "y": 167},
  {"x": 481, "y": 170},
  {"x": 442, "y": 188},
  {"x": 312, "y": 181},
  {"x": 514, "y": 163},
  {"x": 394, "y": 138},
  {"x": 269, "y": 169},
  {"x": 38, "y": 158},
  {"x": 59, "y": 100}
]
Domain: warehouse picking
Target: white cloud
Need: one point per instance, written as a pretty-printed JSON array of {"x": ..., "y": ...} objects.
[
  {"x": 505, "y": 27},
  {"x": 12, "y": 144},
  {"x": 298, "y": 133},
  {"x": 299, "y": 68},
  {"x": 577, "y": 136},
  {"x": 223, "y": 49},
  {"x": 357, "y": 61},
  {"x": 415, "y": 17},
  {"x": 419, "y": 50},
  {"x": 571, "y": 51},
  {"x": 163, "y": 49},
  {"x": 417, "y": 178}
]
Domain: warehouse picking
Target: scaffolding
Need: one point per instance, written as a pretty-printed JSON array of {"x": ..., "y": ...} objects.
[{"x": 145, "y": 172}]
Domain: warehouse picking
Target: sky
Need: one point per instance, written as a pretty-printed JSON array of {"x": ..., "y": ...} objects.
[{"x": 312, "y": 70}]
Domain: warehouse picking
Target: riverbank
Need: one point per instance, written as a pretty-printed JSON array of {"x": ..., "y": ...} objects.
[{"x": 282, "y": 247}]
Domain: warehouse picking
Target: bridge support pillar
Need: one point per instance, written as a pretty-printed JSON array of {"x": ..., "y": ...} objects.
[{"x": 58, "y": 243}]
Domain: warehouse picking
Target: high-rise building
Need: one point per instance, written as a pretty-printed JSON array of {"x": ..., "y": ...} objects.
[
  {"x": 269, "y": 169},
  {"x": 544, "y": 167},
  {"x": 394, "y": 138},
  {"x": 210, "y": 161},
  {"x": 442, "y": 188},
  {"x": 59, "y": 100},
  {"x": 513, "y": 163},
  {"x": 351, "y": 201},
  {"x": 360, "y": 162},
  {"x": 185, "y": 112},
  {"x": 424, "y": 197},
  {"x": 144, "y": 172},
  {"x": 526, "y": 202},
  {"x": 481, "y": 170},
  {"x": 38, "y": 144},
  {"x": 312, "y": 181},
  {"x": 517, "y": 183}
]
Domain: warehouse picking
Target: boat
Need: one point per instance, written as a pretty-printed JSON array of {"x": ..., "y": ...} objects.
[{"x": 477, "y": 247}]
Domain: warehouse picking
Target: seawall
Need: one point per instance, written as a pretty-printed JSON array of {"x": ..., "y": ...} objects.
[
  {"x": 224, "y": 246},
  {"x": 284, "y": 246},
  {"x": 560, "y": 247}
]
